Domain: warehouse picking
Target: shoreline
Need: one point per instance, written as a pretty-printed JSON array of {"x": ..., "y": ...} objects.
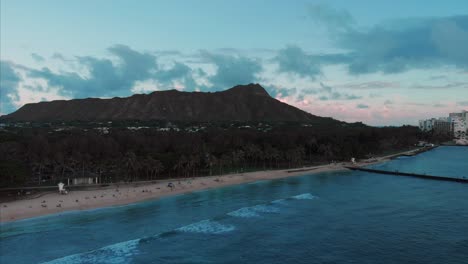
[{"x": 125, "y": 194}]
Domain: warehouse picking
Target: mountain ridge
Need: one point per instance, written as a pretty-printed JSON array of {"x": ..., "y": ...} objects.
[{"x": 240, "y": 103}]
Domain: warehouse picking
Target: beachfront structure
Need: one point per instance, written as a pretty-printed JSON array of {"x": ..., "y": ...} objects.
[
  {"x": 460, "y": 124},
  {"x": 426, "y": 125},
  {"x": 455, "y": 124},
  {"x": 62, "y": 189},
  {"x": 441, "y": 125},
  {"x": 82, "y": 180}
]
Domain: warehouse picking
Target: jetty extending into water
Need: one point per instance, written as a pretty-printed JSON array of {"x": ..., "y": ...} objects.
[
  {"x": 461, "y": 178},
  {"x": 424, "y": 176}
]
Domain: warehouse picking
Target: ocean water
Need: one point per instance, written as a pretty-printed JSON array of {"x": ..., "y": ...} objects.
[
  {"x": 443, "y": 161},
  {"x": 346, "y": 217}
]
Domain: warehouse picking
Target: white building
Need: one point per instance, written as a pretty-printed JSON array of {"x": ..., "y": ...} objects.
[
  {"x": 443, "y": 125},
  {"x": 426, "y": 125},
  {"x": 456, "y": 124},
  {"x": 459, "y": 124}
]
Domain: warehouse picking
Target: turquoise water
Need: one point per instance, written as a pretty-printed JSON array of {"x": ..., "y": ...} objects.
[
  {"x": 346, "y": 217},
  {"x": 443, "y": 161}
]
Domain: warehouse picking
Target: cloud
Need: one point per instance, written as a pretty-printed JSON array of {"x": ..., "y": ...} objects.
[
  {"x": 462, "y": 103},
  {"x": 33, "y": 94},
  {"x": 145, "y": 86},
  {"x": 167, "y": 53},
  {"x": 16, "y": 91},
  {"x": 136, "y": 65},
  {"x": 58, "y": 56},
  {"x": 388, "y": 102},
  {"x": 106, "y": 78},
  {"x": 127, "y": 71},
  {"x": 294, "y": 60},
  {"x": 37, "y": 57},
  {"x": 427, "y": 43},
  {"x": 371, "y": 85},
  {"x": 231, "y": 70},
  {"x": 442, "y": 86},
  {"x": 416, "y": 104},
  {"x": 180, "y": 72},
  {"x": 8, "y": 86},
  {"x": 327, "y": 92},
  {"x": 399, "y": 45},
  {"x": 280, "y": 92},
  {"x": 130, "y": 71},
  {"x": 362, "y": 106},
  {"x": 438, "y": 77},
  {"x": 333, "y": 19}
]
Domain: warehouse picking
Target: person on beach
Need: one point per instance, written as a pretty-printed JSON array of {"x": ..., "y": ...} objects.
[{"x": 171, "y": 185}]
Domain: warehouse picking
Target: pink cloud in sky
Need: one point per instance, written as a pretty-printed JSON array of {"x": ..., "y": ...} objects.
[{"x": 377, "y": 113}]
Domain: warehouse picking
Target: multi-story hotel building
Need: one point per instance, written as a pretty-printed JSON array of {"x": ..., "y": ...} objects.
[
  {"x": 456, "y": 124},
  {"x": 459, "y": 123}
]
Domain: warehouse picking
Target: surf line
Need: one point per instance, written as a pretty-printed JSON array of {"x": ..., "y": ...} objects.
[{"x": 121, "y": 252}]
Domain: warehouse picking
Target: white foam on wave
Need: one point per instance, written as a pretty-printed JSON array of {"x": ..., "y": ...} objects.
[
  {"x": 262, "y": 208},
  {"x": 116, "y": 253},
  {"x": 245, "y": 212},
  {"x": 252, "y": 211},
  {"x": 304, "y": 196},
  {"x": 279, "y": 201},
  {"x": 123, "y": 252},
  {"x": 207, "y": 227}
]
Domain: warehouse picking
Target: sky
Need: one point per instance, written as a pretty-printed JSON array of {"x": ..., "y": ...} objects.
[{"x": 378, "y": 62}]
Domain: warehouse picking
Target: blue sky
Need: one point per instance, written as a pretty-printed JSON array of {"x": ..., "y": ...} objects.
[{"x": 381, "y": 62}]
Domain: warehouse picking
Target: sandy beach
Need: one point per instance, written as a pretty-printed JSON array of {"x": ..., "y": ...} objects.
[
  {"x": 51, "y": 203},
  {"x": 122, "y": 194}
]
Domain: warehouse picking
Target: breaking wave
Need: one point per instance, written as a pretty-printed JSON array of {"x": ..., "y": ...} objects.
[
  {"x": 252, "y": 211},
  {"x": 207, "y": 227},
  {"x": 304, "y": 196},
  {"x": 117, "y": 253},
  {"x": 280, "y": 201},
  {"x": 124, "y": 251}
]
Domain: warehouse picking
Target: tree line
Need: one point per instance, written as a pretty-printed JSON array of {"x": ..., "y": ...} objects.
[{"x": 43, "y": 156}]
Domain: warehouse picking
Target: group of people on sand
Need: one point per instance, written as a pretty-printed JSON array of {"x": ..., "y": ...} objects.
[{"x": 170, "y": 185}]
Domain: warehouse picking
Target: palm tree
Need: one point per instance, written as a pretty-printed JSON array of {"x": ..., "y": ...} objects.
[
  {"x": 181, "y": 165},
  {"x": 130, "y": 163},
  {"x": 193, "y": 163},
  {"x": 326, "y": 150},
  {"x": 210, "y": 161},
  {"x": 224, "y": 161},
  {"x": 158, "y": 167},
  {"x": 311, "y": 145},
  {"x": 236, "y": 157},
  {"x": 241, "y": 156},
  {"x": 152, "y": 167},
  {"x": 295, "y": 155},
  {"x": 271, "y": 154},
  {"x": 252, "y": 152}
]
